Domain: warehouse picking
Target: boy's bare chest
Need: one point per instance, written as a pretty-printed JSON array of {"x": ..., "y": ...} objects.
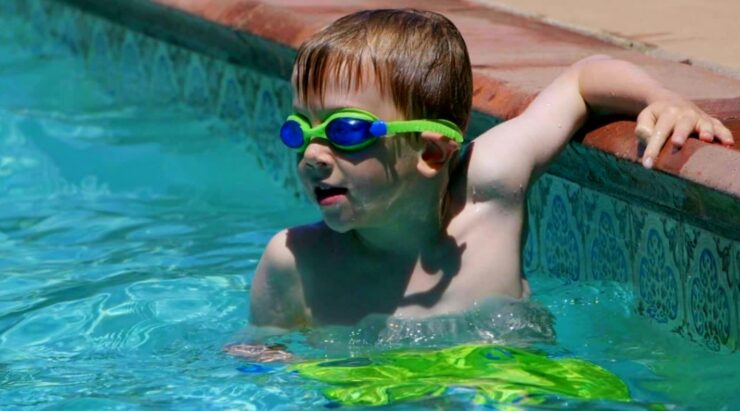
[{"x": 468, "y": 265}]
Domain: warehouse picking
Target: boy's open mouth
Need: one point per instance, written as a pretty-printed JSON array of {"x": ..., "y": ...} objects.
[{"x": 326, "y": 195}]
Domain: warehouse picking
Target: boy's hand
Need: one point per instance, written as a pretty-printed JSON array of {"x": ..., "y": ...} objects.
[
  {"x": 676, "y": 118},
  {"x": 259, "y": 352}
]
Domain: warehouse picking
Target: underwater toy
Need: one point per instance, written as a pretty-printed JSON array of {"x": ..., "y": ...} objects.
[{"x": 497, "y": 374}]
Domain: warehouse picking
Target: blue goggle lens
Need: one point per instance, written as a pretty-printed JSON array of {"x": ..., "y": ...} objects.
[
  {"x": 292, "y": 134},
  {"x": 341, "y": 132},
  {"x": 348, "y": 131}
]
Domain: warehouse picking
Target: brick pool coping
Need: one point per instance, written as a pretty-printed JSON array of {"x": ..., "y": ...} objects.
[{"x": 513, "y": 59}]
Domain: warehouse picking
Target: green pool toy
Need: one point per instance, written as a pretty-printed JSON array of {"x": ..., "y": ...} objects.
[{"x": 498, "y": 374}]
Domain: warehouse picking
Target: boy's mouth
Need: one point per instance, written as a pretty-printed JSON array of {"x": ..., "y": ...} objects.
[{"x": 327, "y": 195}]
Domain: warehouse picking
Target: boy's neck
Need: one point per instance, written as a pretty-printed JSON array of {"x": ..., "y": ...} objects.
[{"x": 415, "y": 228}]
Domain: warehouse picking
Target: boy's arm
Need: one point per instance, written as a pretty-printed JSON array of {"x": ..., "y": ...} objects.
[
  {"x": 276, "y": 302},
  {"x": 527, "y": 143},
  {"x": 276, "y": 295}
]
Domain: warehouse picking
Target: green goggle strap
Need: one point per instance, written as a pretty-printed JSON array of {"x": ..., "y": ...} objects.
[{"x": 443, "y": 127}]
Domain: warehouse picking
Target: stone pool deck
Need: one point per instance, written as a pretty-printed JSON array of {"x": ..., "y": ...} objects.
[{"x": 704, "y": 33}]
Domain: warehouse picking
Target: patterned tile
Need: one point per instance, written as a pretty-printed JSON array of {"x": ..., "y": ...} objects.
[
  {"x": 180, "y": 58},
  {"x": 99, "y": 53},
  {"x": 658, "y": 282},
  {"x": 250, "y": 81},
  {"x": 134, "y": 77},
  {"x": 268, "y": 119},
  {"x": 632, "y": 219},
  {"x": 281, "y": 104},
  {"x": 606, "y": 255},
  {"x": 712, "y": 317},
  {"x": 735, "y": 286},
  {"x": 69, "y": 30},
  {"x": 196, "y": 91},
  {"x": 560, "y": 237},
  {"x": 215, "y": 71},
  {"x": 38, "y": 15},
  {"x": 231, "y": 97},
  {"x": 163, "y": 81},
  {"x": 531, "y": 262}
]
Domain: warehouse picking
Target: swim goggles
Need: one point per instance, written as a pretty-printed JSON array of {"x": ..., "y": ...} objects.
[{"x": 351, "y": 129}]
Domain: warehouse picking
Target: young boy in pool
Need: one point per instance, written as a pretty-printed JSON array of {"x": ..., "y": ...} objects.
[{"x": 413, "y": 225}]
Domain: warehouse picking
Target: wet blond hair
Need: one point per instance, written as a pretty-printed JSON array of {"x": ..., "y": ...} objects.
[{"x": 418, "y": 59}]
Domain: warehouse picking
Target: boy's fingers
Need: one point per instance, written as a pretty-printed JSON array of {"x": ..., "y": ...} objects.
[
  {"x": 645, "y": 125},
  {"x": 663, "y": 127},
  {"x": 682, "y": 130},
  {"x": 651, "y": 152},
  {"x": 705, "y": 128},
  {"x": 723, "y": 133}
]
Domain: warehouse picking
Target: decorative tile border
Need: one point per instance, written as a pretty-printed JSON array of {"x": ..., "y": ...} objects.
[{"x": 685, "y": 278}]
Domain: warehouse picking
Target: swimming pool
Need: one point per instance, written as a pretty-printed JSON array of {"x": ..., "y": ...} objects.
[{"x": 131, "y": 223}]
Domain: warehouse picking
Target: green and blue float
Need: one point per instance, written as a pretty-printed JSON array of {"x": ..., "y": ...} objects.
[{"x": 497, "y": 374}]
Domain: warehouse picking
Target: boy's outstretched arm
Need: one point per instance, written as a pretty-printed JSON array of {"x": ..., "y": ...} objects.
[
  {"x": 276, "y": 303},
  {"x": 527, "y": 143}
]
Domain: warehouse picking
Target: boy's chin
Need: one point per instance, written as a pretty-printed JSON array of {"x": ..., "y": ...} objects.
[
  {"x": 341, "y": 222},
  {"x": 337, "y": 225}
]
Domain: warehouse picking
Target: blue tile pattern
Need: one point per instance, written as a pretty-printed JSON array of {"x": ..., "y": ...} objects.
[
  {"x": 196, "y": 83},
  {"x": 162, "y": 78},
  {"x": 609, "y": 260},
  {"x": 713, "y": 316},
  {"x": 686, "y": 279},
  {"x": 133, "y": 75},
  {"x": 734, "y": 283},
  {"x": 710, "y": 306},
  {"x": 68, "y": 31},
  {"x": 231, "y": 102},
  {"x": 99, "y": 54},
  {"x": 38, "y": 14},
  {"x": 531, "y": 261},
  {"x": 658, "y": 281},
  {"x": 560, "y": 242}
]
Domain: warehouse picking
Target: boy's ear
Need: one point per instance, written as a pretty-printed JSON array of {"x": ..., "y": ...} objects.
[{"x": 436, "y": 153}]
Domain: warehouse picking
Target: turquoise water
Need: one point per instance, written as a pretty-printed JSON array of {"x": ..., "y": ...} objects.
[{"x": 129, "y": 232}]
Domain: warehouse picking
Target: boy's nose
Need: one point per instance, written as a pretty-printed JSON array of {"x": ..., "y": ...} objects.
[{"x": 318, "y": 156}]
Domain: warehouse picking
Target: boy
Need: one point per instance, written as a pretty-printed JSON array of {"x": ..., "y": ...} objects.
[{"x": 411, "y": 226}]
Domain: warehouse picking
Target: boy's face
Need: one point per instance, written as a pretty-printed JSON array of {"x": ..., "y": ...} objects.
[{"x": 362, "y": 188}]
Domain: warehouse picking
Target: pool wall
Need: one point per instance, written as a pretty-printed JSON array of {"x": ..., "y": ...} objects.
[{"x": 672, "y": 235}]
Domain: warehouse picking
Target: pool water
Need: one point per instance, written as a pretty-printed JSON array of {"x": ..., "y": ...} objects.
[{"x": 129, "y": 233}]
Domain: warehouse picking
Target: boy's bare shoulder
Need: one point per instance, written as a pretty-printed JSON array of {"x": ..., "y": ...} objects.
[
  {"x": 294, "y": 243},
  {"x": 294, "y": 252},
  {"x": 277, "y": 294}
]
